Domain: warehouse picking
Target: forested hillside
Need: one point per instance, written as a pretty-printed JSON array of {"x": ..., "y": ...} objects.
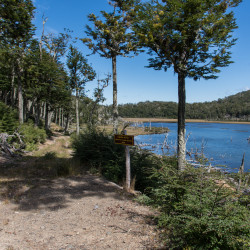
[{"x": 235, "y": 107}]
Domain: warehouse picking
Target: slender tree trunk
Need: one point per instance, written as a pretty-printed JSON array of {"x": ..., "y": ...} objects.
[
  {"x": 20, "y": 100},
  {"x": 59, "y": 116},
  {"x": 46, "y": 116},
  {"x": 50, "y": 116},
  {"x": 38, "y": 113},
  {"x": 181, "y": 149},
  {"x": 13, "y": 89},
  {"x": 62, "y": 124},
  {"x": 67, "y": 123},
  {"x": 77, "y": 112},
  {"x": 43, "y": 110},
  {"x": 56, "y": 116},
  {"x": 115, "y": 107}
]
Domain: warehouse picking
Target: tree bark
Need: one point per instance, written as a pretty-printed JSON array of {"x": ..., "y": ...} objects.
[
  {"x": 77, "y": 113},
  {"x": 13, "y": 89},
  {"x": 181, "y": 149},
  {"x": 20, "y": 100},
  {"x": 46, "y": 116},
  {"x": 115, "y": 107},
  {"x": 59, "y": 116},
  {"x": 38, "y": 113},
  {"x": 66, "y": 123}
]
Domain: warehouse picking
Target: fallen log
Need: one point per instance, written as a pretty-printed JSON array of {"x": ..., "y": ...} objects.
[{"x": 8, "y": 148}]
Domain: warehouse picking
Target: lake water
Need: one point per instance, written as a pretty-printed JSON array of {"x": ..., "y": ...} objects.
[{"x": 223, "y": 144}]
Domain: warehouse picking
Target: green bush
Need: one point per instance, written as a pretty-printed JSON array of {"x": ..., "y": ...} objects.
[
  {"x": 32, "y": 135},
  {"x": 197, "y": 213},
  {"x": 100, "y": 152}
]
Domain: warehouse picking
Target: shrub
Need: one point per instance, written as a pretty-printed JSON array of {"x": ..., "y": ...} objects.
[
  {"x": 197, "y": 213},
  {"x": 98, "y": 150},
  {"x": 32, "y": 135}
]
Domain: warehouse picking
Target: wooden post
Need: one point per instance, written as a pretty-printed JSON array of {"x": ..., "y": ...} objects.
[{"x": 128, "y": 174}]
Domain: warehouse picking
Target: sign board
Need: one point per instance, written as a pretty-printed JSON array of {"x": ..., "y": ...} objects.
[{"x": 127, "y": 140}]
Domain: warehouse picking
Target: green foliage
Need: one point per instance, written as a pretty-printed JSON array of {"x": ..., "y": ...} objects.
[
  {"x": 8, "y": 119},
  {"x": 194, "y": 37},
  {"x": 32, "y": 135},
  {"x": 101, "y": 153},
  {"x": 16, "y": 21},
  {"x": 197, "y": 213},
  {"x": 98, "y": 149},
  {"x": 110, "y": 35}
]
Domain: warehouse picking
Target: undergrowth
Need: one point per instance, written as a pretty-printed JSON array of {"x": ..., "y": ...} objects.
[{"x": 197, "y": 209}]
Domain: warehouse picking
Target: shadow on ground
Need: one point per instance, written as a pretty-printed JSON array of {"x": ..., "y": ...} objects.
[{"x": 33, "y": 183}]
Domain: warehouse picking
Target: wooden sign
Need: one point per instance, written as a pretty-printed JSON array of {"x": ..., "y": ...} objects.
[{"x": 127, "y": 140}]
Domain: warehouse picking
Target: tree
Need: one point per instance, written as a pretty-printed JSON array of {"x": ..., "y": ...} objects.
[
  {"x": 80, "y": 73},
  {"x": 16, "y": 31},
  {"x": 192, "y": 36},
  {"x": 98, "y": 98},
  {"x": 111, "y": 38},
  {"x": 56, "y": 46}
]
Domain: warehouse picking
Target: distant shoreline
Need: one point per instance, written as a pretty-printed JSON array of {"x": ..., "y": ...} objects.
[{"x": 175, "y": 120}]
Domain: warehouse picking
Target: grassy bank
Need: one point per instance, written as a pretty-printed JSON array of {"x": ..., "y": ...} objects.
[
  {"x": 135, "y": 130},
  {"x": 175, "y": 120}
]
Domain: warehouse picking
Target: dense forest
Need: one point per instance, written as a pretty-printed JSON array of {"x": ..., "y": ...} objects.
[
  {"x": 36, "y": 83},
  {"x": 235, "y": 107}
]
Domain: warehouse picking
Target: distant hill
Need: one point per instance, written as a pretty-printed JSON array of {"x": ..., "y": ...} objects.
[{"x": 234, "y": 107}]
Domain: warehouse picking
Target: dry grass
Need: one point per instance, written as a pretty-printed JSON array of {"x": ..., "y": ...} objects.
[
  {"x": 61, "y": 147},
  {"x": 130, "y": 130}
]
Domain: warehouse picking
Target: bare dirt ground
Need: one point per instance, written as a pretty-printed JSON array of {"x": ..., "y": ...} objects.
[{"x": 77, "y": 212}]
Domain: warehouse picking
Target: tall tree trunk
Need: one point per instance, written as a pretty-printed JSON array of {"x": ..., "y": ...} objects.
[
  {"x": 19, "y": 72},
  {"x": 59, "y": 116},
  {"x": 20, "y": 100},
  {"x": 115, "y": 107},
  {"x": 62, "y": 124},
  {"x": 38, "y": 113},
  {"x": 56, "y": 116},
  {"x": 50, "y": 116},
  {"x": 44, "y": 110},
  {"x": 46, "y": 116},
  {"x": 77, "y": 112},
  {"x": 181, "y": 149},
  {"x": 13, "y": 89},
  {"x": 66, "y": 123}
]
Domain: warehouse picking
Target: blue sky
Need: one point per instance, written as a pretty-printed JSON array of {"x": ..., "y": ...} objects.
[{"x": 135, "y": 82}]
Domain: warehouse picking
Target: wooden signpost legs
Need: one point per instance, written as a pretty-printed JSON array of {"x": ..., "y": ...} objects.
[
  {"x": 128, "y": 175},
  {"x": 128, "y": 172},
  {"x": 126, "y": 140}
]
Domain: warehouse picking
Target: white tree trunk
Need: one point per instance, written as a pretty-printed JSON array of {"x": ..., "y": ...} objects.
[
  {"x": 115, "y": 107},
  {"x": 181, "y": 149}
]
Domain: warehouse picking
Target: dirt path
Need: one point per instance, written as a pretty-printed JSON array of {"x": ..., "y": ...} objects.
[{"x": 79, "y": 212}]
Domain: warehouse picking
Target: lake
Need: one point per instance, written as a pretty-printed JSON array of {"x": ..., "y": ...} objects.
[{"x": 223, "y": 144}]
